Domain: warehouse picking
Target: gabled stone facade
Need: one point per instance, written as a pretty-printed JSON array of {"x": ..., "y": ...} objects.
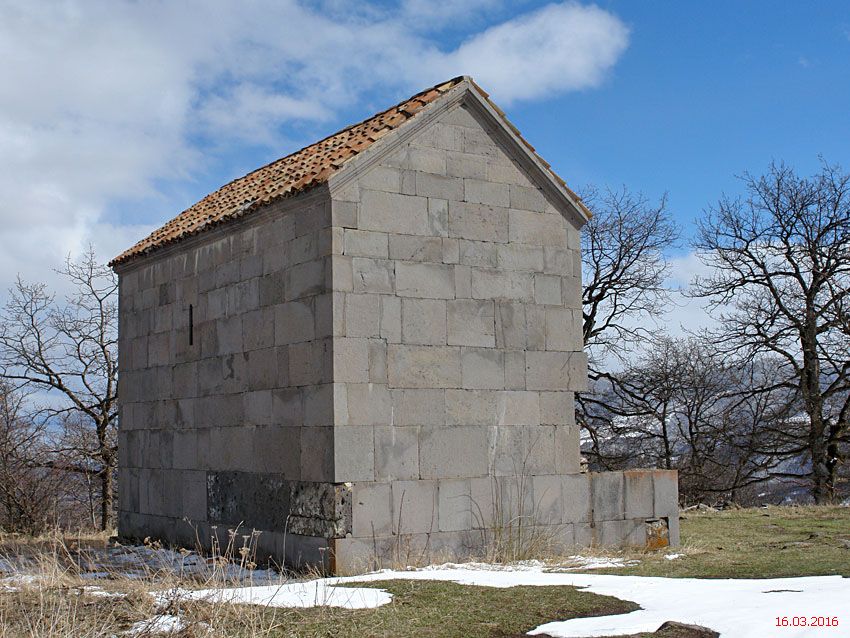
[{"x": 380, "y": 368}]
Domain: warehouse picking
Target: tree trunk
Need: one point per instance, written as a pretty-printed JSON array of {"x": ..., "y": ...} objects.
[
  {"x": 813, "y": 403},
  {"x": 106, "y": 481}
]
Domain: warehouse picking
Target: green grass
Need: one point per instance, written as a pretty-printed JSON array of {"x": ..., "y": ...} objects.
[
  {"x": 434, "y": 609},
  {"x": 771, "y": 542}
]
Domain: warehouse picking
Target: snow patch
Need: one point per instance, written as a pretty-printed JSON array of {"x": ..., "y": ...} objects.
[
  {"x": 161, "y": 624},
  {"x": 316, "y": 593}
]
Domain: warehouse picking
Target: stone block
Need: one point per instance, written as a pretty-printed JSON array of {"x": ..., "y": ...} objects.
[
  {"x": 479, "y": 191},
  {"x": 294, "y": 322},
  {"x": 548, "y": 500},
  {"x": 277, "y": 450},
  {"x": 571, "y": 292},
  {"x": 287, "y": 408},
  {"x": 377, "y": 361},
  {"x": 371, "y": 511},
  {"x": 362, "y": 315},
  {"x": 343, "y": 213},
  {"x": 482, "y": 368},
  {"x": 613, "y": 533},
  {"x": 455, "y": 505},
  {"x": 432, "y": 281},
  {"x": 585, "y": 535},
  {"x": 527, "y": 198},
  {"x": 305, "y": 279},
  {"x": 547, "y": 290},
  {"x": 393, "y": 213},
  {"x": 354, "y": 453},
  {"x": 518, "y": 408},
  {"x": 423, "y": 366},
  {"x": 537, "y": 229},
  {"x": 567, "y": 449},
  {"x": 510, "y": 326},
  {"x": 419, "y": 407},
  {"x": 520, "y": 257},
  {"x": 452, "y": 451},
  {"x": 556, "y": 370},
  {"x": 466, "y": 165},
  {"x": 258, "y": 407},
  {"x": 381, "y": 178},
  {"x": 341, "y": 276},
  {"x": 471, "y": 322},
  {"x": 329, "y": 310},
  {"x": 482, "y": 502},
  {"x": 639, "y": 495},
  {"x": 438, "y": 217},
  {"x": 557, "y": 408},
  {"x": 558, "y": 260},
  {"x": 313, "y": 362},
  {"x": 666, "y": 492},
  {"x": 414, "y": 506},
  {"x": 350, "y": 360},
  {"x": 451, "y": 250},
  {"x": 391, "y": 319},
  {"x": 478, "y": 221},
  {"x": 608, "y": 490},
  {"x": 416, "y": 248},
  {"x": 373, "y": 275},
  {"x": 364, "y": 243},
  {"x": 577, "y": 501},
  {"x": 396, "y": 452},
  {"x": 193, "y": 498},
  {"x": 367, "y": 404},
  {"x": 431, "y": 185},
  {"x": 478, "y": 253},
  {"x": 317, "y": 454},
  {"x": 476, "y": 141},
  {"x": 563, "y": 332},
  {"x": 463, "y": 282},
  {"x": 470, "y": 407},
  {"x": 258, "y": 329},
  {"x": 427, "y": 160},
  {"x": 423, "y": 321},
  {"x": 673, "y": 530},
  {"x": 515, "y": 370},
  {"x": 325, "y": 404},
  {"x": 490, "y": 283}
]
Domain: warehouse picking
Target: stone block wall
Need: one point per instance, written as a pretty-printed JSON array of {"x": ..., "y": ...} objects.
[
  {"x": 227, "y": 419},
  {"x": 458, "y": 284}
]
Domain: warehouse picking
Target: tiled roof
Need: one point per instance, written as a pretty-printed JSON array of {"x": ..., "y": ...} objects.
[{"x": 311, "y": 166}]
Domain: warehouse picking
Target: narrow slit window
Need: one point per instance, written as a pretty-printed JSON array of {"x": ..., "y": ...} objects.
[{"x": 191, "y": 324}]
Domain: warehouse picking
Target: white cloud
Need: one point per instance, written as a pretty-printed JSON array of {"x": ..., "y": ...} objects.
[
  {"x": 687, "y": 314},
  {"x": 561, "y": 47},
  {"x": 104, "y": 102}
]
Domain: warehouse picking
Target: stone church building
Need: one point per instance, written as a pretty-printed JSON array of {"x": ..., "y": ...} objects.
[{"x": 368, "y": 350}]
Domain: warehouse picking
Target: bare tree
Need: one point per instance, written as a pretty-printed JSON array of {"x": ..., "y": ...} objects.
[
  {"x": 623, "y": 271},
  {"x": 683, "y": 406},
  {"x": 780, "y": 263},
  {"x": 29, "y": 489},
  {"x": 67, "y": 352}
]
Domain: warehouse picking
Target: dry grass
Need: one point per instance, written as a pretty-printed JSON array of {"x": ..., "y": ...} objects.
[{"x": 57, "y": 604}]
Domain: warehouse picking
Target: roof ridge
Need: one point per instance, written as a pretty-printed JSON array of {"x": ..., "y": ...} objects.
[{"x": 452, "y": 82}]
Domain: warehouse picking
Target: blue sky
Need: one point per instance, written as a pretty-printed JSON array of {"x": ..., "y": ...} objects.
[{"x": 114, "y": 116}]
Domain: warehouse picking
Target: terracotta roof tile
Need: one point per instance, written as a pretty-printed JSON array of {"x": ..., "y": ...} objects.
[{"x": 311, "y": 166}]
